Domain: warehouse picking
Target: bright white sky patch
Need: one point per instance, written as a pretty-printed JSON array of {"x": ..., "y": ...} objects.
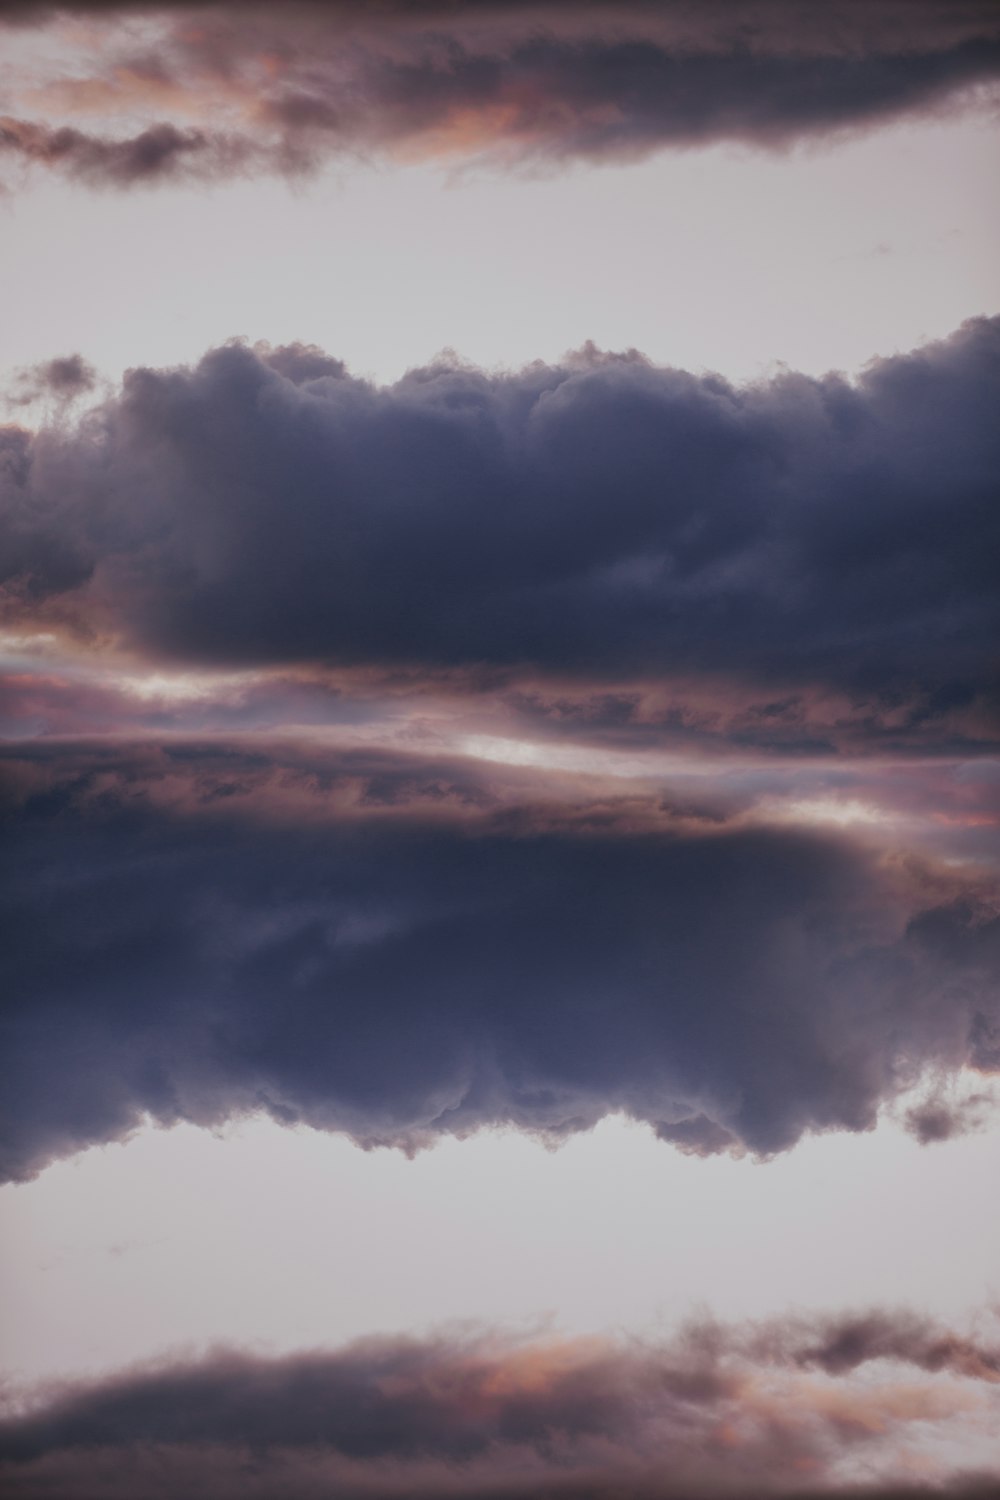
[
  {"x": 555, "y": 757},
  {"x": 842, "y": 814}
]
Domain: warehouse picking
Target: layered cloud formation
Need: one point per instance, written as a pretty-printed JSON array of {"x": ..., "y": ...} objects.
[
  {"x": 793, "y": 1408},
  {"x": 498, "y": 750},
  {"x": 313, "y": 887},
  {"x": 210, "y": 91}
]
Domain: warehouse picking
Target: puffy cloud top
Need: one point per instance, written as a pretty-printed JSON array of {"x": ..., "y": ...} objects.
[{"x": 601, "y": 517}]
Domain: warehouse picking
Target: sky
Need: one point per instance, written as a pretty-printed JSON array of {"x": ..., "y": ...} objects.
[{"x": 499, "y": 749}]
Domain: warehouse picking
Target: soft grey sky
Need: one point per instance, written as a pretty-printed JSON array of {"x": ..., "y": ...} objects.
[
  {"x": 723, "y": 258},
  {"x": 287, "y": 1239}
]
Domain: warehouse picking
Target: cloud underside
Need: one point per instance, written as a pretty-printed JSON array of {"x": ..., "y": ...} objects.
[
  {"x": 379, "y": 969},
  {"x": 219, "y": 900},
  {"x": 766, "y": 1409},
  {"x": 602, "y": 519},
  {"x": 510, "y": 84}
]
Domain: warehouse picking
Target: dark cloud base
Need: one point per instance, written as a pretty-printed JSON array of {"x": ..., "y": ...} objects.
[
  {"x": 399, "y": 976},
  {"x": 480, "y": 1416}
]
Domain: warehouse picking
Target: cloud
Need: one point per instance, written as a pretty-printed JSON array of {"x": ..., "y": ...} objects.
[
  {"x": 449, "y": 927},
  {"x": 841, "y": 1344},
  {"x": 502, "y": 83},
  {"x": 939, "y": 1119},
  {"x": 394, "y": 951},
  {"x": 63, "y": 379},
  {"x": 602, "y": 519},
  {"x": 159, "y": 153},
  {"x": 716, "y": 1412}
]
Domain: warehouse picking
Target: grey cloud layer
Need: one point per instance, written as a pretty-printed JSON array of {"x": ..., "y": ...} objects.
[
  {"x": 509, "y": 83},
  {"x": 483, "y": 1417},
  {"x": 603, "y": 518},
  {"x": 398, "y": 976}
]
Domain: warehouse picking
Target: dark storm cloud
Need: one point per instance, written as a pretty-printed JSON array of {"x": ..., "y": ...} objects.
[
  {"x": 603, "y": 518},
  {"x": 481, "y": 1417},
  {"x": 511, "y": 83},
  {"x": 397, "y": 970},
  {"x": 603, "y": 99}
]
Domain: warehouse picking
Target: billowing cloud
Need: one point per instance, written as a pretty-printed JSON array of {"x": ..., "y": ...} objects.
[
  {"x": 717, "y": 1412},
  {"x": 939, "y": 1119},
  {"x": 601, "y": 518},
  {"x": 394, "y": 951},
  {"x": 506, "y": 83}
]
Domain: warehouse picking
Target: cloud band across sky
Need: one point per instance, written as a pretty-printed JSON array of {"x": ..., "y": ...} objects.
[
  {"x": 777, "y": 1408},
  {"x": 216, "y": 91},
  {"x": 603, "y": 518}
]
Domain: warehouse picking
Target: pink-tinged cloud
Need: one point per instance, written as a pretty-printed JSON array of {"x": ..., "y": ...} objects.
[
  {"x": 736, "y": 1412},
  {"x": 507, "y": 83}
]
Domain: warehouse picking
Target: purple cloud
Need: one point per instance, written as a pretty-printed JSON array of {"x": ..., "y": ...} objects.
[
  {"x": 388, "y": 948},
  {"x": 603, "y": 518}
]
